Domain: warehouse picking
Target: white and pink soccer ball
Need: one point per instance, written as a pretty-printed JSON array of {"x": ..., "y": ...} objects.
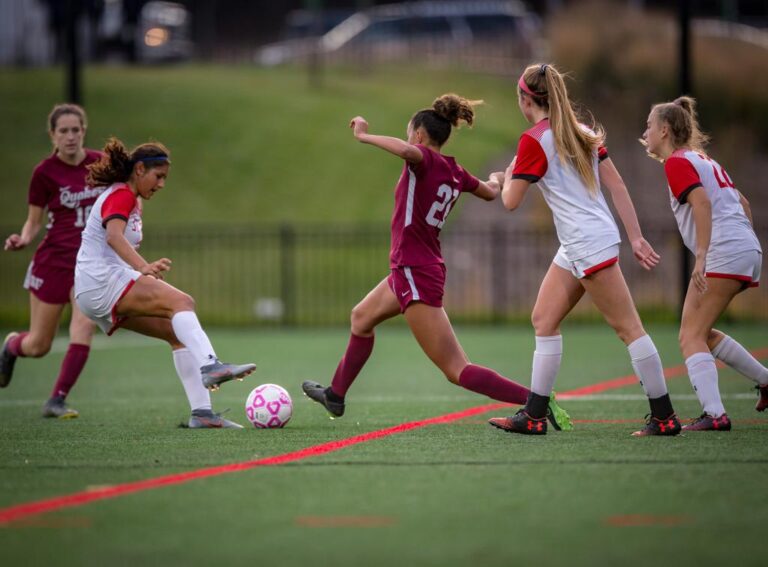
[{"x": 268, "y": 406}]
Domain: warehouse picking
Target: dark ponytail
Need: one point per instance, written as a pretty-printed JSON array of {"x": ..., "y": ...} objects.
[
  {"x": 117, "y": 163},
  {"x": 447, "y": 110}
]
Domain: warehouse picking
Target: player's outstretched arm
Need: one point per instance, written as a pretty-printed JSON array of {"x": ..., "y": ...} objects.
[
  {"x": 644, "y": 253},
  {"x": 31, "y": 227},
  {"x": 487, "y": 190},
  {"x": 396, "y": 146},
  {"x": 117, "y": 241},
  {"x": 513, "y": 191}
]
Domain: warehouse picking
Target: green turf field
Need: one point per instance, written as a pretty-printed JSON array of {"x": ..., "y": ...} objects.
[{"x": 461, "y": 493}]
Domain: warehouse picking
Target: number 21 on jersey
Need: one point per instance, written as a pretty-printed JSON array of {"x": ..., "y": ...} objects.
[{"x": 446, "y": 197}]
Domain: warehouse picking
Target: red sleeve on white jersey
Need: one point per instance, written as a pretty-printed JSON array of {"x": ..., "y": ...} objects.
[
  {"x": 118, "y": 205},
  {"x": 602, "y": 153},
  {"x": 531, "y": 163},
  {"x": 38, "y": 189},
  {"x": 682, "y": 177}
]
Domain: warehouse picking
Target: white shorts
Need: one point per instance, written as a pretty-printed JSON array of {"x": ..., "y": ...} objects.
[
  {"x": 99, "y": 304},
  {"x": 743, "y": 266},
  {"x": 590, "y": 264}
]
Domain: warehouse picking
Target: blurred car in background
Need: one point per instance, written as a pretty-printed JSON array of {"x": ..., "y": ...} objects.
[
  {"x": 488, "y": 34},
  {"x": 303, "y": 29}
]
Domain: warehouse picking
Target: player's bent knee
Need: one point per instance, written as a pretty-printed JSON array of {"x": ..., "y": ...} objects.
[
  {"x": 543, "y": 325},
  {"x": 360, "y": 321},
  {"x": 36, "y": 348}
]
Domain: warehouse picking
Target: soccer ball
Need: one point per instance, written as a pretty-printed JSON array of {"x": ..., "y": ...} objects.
[{"x": 268, "y": 406}]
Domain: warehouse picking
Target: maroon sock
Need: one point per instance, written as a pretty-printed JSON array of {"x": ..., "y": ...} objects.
[
  {"x": 358, "y": 351},
  {"x": 14, "y": 345},
  {"x": 71, "y": 367},
  {"x": 485, "y": 381}
]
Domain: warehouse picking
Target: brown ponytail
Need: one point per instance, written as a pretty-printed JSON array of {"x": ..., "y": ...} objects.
[
  {"x": 447, "y": 110},
  {"x": 575, "y": 144},
  {"x": 117, "y": 163},
  {"x": 683, "y": 121}
]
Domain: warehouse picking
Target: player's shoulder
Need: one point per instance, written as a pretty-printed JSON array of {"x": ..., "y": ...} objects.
[
  {"x": 91, "y": 156},
  {"x": 46, "y": 165},
  {"x": 538, "y": 130},
  {"x": 681, "y": 158}
]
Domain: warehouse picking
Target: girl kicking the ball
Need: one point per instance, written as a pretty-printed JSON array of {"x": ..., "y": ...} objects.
[
  {"x": 428, "y": 188},
  {"x": 116, "y": 287}
]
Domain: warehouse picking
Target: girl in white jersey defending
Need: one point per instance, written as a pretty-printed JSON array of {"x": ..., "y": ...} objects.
[
  {"x": 116, "y": 287},
  {"x": 429, "y": 185},
  {"x": 568, "y": 161},
  {"x": 715, "y": 222}
]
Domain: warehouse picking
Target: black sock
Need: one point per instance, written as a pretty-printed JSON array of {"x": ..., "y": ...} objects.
[
  {"x": 536, "y": 406},
  {"x": 661, "y": 408}
]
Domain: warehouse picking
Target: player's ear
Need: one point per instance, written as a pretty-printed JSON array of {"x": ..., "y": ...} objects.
[{"x": 139, "y": 169}]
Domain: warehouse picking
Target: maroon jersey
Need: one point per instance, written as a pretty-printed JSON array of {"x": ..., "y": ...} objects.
[
  {"x": 424, "y": 196},
  {"x": 61, "y": 189}
]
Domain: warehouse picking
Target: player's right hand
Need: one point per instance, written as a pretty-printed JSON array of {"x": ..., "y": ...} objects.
[
  {"x": 359, "y": 126},
  {"x": 155, "y": 269},
  {"x": 14, "y": 242}
]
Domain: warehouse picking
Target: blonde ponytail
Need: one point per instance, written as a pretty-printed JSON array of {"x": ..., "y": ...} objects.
[{"x": 575, "y": 144}]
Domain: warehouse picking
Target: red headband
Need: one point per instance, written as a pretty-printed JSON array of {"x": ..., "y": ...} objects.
[{"x": 526, "y": 89}]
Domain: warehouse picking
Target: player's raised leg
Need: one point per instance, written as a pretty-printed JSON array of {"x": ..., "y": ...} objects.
[
  {"x": 730, "y": 352},
  {"x": 155, "y": 298},
  {"x": 202, "y": 416},
  {"x": 611, "y": 296},
  {"x": 379, "y": 305}
]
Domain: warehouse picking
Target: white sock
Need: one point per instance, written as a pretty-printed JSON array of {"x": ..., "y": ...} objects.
[
  {"x": 647, "y": 364},
  {"x": 191, "y": 334},
  {"x": 703, "y": 374},
  {"x": 738, "y": 358},
  {"x": 546, "y": 364},
  {"x": 189, "y": 373}
]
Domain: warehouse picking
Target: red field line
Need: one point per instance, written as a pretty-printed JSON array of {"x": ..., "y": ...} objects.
[{"x": 25, "y": 510}]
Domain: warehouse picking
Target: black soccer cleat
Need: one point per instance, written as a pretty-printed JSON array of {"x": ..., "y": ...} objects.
[
  {"x": 7, "y": 362},
  {"x": 322, "y": 395},
  {"x": 521, "y": 422},
  {"x": 655, "y": 426}
]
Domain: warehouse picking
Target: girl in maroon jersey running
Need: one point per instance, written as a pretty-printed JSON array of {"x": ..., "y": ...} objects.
[
  {"x": 58, "y": 184},
  {"x": 428, "y": 188}
]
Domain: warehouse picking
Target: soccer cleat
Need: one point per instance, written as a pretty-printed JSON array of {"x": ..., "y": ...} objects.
[
  {"x": 655, "y": 426},
  {"x": 216, "y": 373},
  {"x": 708, "y": 423},
  {"x": 319, "y": 393},
  {"x": 521, "y": 422},
  {"x": 207, "y": 419},
  {"x": 57, "y": 407},
  {"x": 557, "y": 416},
  {"x": 7, "y": 362},
  {"x": 762, "y": 401}
]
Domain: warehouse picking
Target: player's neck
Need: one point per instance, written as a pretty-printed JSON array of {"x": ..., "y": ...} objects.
[
  {"x": 667, "y": 150},
  {"x": 73, "y": 159}
]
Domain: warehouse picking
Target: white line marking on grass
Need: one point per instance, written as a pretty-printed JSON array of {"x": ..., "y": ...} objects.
[{"x": 636, "y": 397}]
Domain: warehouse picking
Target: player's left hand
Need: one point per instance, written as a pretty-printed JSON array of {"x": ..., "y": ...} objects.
[
  {"x": 644, "y": 253},
  {"x": 699, "y": 277},
  {"x": 498, "y": 177},
  {"x": 359, "y": 126}
]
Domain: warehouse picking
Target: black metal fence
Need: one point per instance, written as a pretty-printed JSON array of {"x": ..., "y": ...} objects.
[{"x": 303, "y": 275}]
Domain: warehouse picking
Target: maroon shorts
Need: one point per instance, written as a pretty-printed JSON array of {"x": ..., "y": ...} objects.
[
  {"x": 419, "y": 283},
  {"x": 50, "y": 285}
]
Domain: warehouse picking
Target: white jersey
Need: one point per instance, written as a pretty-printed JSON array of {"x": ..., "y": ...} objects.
[
  {"x": 732, "y": 232},
  {"x": 583, "y": 221},
  {"x": 97, "y": 261}
]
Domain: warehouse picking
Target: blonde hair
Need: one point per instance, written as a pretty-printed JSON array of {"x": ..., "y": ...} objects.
[
  {"x": 574, "y": 143},
  {"x": 683, "y": 121}
]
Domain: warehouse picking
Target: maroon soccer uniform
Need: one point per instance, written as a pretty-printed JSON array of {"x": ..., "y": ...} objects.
[
  {"x": 424, "y": 196},
  {"x": 60, "y": 188}
]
